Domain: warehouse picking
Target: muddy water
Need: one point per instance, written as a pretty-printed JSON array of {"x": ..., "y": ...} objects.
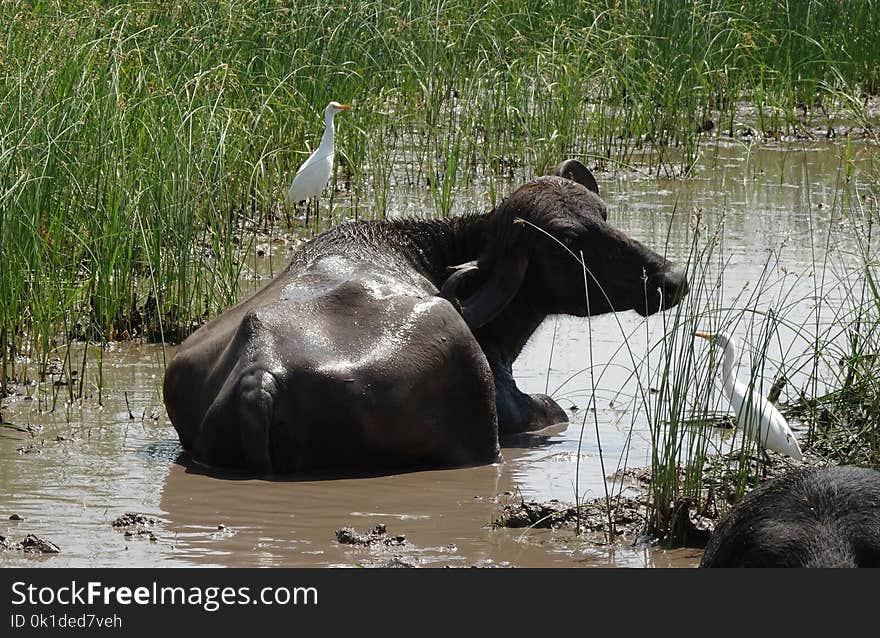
[{"x": 71, "y": 470}]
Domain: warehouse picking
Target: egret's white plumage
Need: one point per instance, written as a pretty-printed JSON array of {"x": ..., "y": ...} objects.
[
  {"x": 755, "y": 415},
  {"x": 313, "y": 175}
]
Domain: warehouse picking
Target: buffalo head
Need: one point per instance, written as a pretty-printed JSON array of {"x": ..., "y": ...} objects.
[{"x": 551, "y": 241}]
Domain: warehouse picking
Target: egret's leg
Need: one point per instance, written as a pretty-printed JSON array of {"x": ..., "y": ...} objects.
[
  {"x": 317, "y": 215},
  {"x": 766, "y": 462}
]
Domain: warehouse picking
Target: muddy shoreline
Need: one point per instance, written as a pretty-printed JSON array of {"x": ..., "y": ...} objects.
[{"x": 621, "y": 521}]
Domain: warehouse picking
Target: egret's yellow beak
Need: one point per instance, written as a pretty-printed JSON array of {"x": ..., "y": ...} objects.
[
  {"x": 344, "y": 107},
  {"x": 703, "y": 335}
]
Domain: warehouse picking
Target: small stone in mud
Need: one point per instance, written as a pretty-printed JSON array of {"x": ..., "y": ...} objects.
[
  {"x": 140, "y": 533},
  {"x": 379, "y": 534},
  {"x": 638, "y": 476},
  {"x": 705, "y": 125},
  {"x": 688, "y": 527},
  {"x": 36, "y": 545},
  {"x": 30, "y": 448},
  {"x": 627, "y": 515},
  {"x": 54, "y": 366},
  {"x": 131, "y": 519},
  {"x": 533, "y": 514},
  {"x": 223, "y": 532},
  {"x": 135, "y": 525},
  {"x": 398, "y": 562}
]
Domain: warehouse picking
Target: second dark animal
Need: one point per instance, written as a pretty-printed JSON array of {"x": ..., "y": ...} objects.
[{"x": 828, "y": 517}]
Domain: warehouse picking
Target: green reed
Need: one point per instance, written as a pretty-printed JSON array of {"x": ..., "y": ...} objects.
[{"x": 827, "y": 363}]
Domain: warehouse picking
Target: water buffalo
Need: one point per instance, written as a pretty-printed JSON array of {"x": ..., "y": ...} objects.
[
  {"x": 389, "y": 345},
  {"x": 828, "y": 517}
]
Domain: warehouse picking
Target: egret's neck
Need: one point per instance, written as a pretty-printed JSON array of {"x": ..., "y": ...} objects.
[
  {"x": 728, "y": 375},
  {"x": 327, "y": 138}
]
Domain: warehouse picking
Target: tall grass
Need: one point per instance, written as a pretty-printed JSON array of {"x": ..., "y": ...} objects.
[
  {"x": 144, "y": 145},
  {"x": 844, "y": 421},
  {"x": 819, "y": 341}
]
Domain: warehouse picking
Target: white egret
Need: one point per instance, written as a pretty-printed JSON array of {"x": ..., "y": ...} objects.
[
  {"x": 755, "y": 415},
  {"x": 313, "y": 175}
]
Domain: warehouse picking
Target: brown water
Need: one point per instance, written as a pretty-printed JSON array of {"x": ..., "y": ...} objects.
[{"x": 779, "y": 202}]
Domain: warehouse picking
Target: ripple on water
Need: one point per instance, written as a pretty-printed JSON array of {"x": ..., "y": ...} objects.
[{"x": 160, "y": 451}]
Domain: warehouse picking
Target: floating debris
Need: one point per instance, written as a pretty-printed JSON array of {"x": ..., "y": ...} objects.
[
  {"x": 628, "y": 515},
  {"x": 30, "y": 448},
  {"x": 134, "y": 525},
  {"x": 223, "y": 532},
  {"x": 548, "y": 515},
  {"x": 31, "y": 544},
  {"x": 131, "y": 519},
  {"x": 348, "y": 536},
  {"x": 35, "y": 545},
  {"x": 398, "y": 562},
  {"x": 141, "y": 533}
]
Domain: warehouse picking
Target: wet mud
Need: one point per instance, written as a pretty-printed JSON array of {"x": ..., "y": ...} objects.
[
  {"x": 621, "y": 518},
  {"x": 30, "y": 544},
  {"x": 134, "y": 525},
  {"x": 348, "y": 536}
]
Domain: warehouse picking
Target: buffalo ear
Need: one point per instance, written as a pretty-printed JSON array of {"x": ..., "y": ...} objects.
[
  {"x": 503, "y": 279},
  {"x": 577, "y": 172},
  {"x": 497, "y": 275}
]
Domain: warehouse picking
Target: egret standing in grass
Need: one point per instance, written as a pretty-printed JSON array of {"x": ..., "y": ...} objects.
[
  {"x": 313, "y": 175},
  {"x": 755, "y": 415}
]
